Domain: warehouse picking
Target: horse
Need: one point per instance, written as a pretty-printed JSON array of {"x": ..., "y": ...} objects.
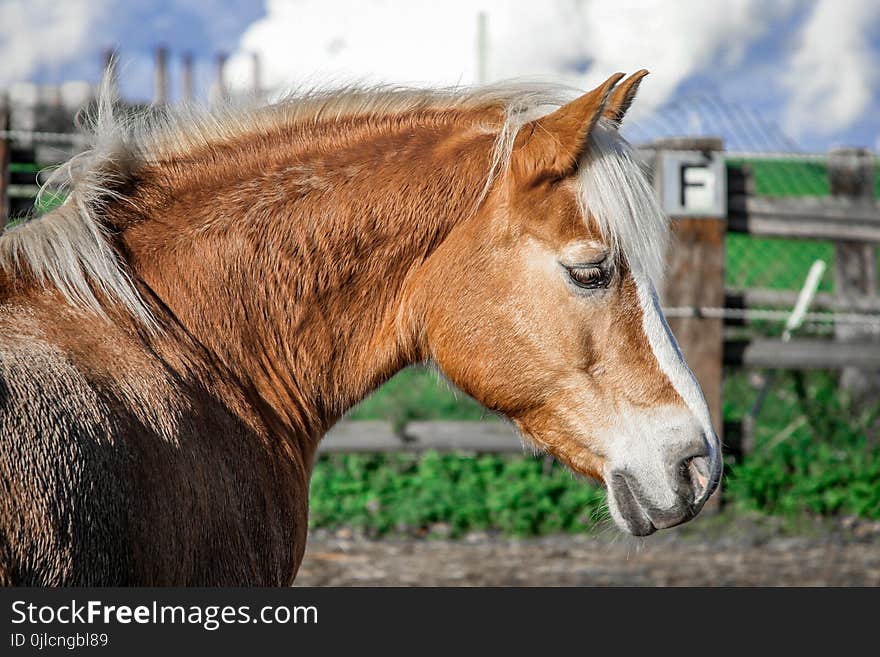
[{"x": 221, "y": 285}]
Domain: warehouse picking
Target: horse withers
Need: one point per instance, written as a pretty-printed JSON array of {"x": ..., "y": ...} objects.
[{"x": 220, "y": 287}]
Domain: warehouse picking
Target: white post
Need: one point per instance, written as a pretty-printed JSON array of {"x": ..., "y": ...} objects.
[
  {"x": 256, "y": 73},
  {"x": 482, "y": 48},
  {"x": 187, "y": 79},
  {"x": 220, "y": 80},
  {"x": 160, "y": 76}
]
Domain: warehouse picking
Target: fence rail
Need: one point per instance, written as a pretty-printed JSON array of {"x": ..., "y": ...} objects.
[
  {"x": 760, "y": 298},
  {"x": 493, "y": 437},
  {"x": 801, "y": 354},
  {"x": 805, "y": 218}
]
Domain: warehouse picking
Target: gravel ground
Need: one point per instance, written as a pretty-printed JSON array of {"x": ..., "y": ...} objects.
[{"x": 720, "y": 551}]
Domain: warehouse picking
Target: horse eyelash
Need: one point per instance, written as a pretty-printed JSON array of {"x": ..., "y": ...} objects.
[{"x": 595, "y": 278}]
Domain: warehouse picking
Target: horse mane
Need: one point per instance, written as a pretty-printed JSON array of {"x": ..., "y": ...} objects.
[{"x": 70, "y": 248}]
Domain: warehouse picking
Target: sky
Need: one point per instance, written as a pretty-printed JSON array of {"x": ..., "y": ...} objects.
[{"x": 805, "y": 68}]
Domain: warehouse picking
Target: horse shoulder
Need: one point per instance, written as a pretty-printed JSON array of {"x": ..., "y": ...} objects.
[{"x": 114, "y": 469}]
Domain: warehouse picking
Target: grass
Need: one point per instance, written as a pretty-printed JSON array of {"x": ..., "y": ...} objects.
[
  {"x": 405, "y": 493},
  {"x": 813, "y": 455}
]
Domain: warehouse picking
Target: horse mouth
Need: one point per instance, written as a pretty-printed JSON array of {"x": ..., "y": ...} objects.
[
  {"x": 625, "y": 508},
  {"x": 635, "y": 514}
]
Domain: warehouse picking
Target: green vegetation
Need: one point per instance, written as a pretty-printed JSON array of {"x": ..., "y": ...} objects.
[
  {"x": 408, "y": 493},
  {"x": 812, "y": 457}
]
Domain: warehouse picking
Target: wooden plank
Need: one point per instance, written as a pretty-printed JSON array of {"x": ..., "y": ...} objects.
[
  {"x": 22, "y": 191},
  {"x": 805, "y": 218},
  {"x": 490, "y": 437},
  {"x": 695, "y": 277},
  {"x": 361, "y": 436},
  {"x": 801, "y": 354},
  {"x": 442, "y": 436},
  {"x": 824, "y": 301}
]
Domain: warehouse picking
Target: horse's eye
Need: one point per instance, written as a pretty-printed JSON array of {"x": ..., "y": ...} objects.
[{"x": 590, "y": 278}]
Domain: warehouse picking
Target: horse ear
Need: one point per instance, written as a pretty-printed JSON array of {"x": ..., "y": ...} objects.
[
  {"x": 551, "y": 146},
  {"x": 622, "y": 97}
]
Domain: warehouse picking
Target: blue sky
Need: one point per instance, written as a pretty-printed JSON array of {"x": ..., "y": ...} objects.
[
  {"x": 808, "y": 67},
  {"x": 135, "y": 28}
]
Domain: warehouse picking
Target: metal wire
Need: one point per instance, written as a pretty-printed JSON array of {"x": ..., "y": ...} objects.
[
  {"x": 782, "y": 155},
  {"x": 756, "y": 314},
  {"x": 758, "y": 155},
  {"x": 48, "y": 137}
]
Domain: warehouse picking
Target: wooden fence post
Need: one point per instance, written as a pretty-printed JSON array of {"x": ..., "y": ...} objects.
[
  {"x": 851, "y": 176},
  {"x": 695, "y": 262},
  {"x": 4, "y": 162}
]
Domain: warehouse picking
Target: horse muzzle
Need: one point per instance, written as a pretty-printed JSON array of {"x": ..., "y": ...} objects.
[{"x": 640, "y": 509}]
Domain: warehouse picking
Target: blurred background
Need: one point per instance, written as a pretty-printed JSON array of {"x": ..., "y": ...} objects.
[{"x": 777, "y": 102}]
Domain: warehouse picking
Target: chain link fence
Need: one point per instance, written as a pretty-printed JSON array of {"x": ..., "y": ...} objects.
[
  {"x": 796, "y": 402},
  {"x": 776, "y": 263}
]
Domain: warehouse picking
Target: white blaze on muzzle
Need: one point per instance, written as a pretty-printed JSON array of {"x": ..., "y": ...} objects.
[
  {"x": 671, "y": 360},
  {"x": 663, "y": 461}
]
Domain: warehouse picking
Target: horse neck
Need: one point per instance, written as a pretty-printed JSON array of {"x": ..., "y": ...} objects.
[{"x": 287, "y": 269}]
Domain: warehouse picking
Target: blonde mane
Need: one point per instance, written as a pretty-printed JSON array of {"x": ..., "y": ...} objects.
[{"x": 70, "y": 249}]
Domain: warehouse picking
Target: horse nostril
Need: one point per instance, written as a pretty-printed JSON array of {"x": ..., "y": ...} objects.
[{"x": 697, "y": 473}]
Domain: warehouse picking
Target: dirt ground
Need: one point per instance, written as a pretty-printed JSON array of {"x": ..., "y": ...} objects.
[{"x": 732, "y": 551}]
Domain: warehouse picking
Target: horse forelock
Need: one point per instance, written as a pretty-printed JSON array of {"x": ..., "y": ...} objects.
[{"x": 616, "y": 193}]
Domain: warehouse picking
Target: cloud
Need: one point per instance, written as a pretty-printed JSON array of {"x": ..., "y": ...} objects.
[
  {"x": 808, "y": 65},
  {"x": 417, "y": 41},
  {"x": 435, "y": 43},
  {"x": 677, "y": 40},
  {"x": 40, "y": 34},
  {"x": 833, "y": 76}
]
